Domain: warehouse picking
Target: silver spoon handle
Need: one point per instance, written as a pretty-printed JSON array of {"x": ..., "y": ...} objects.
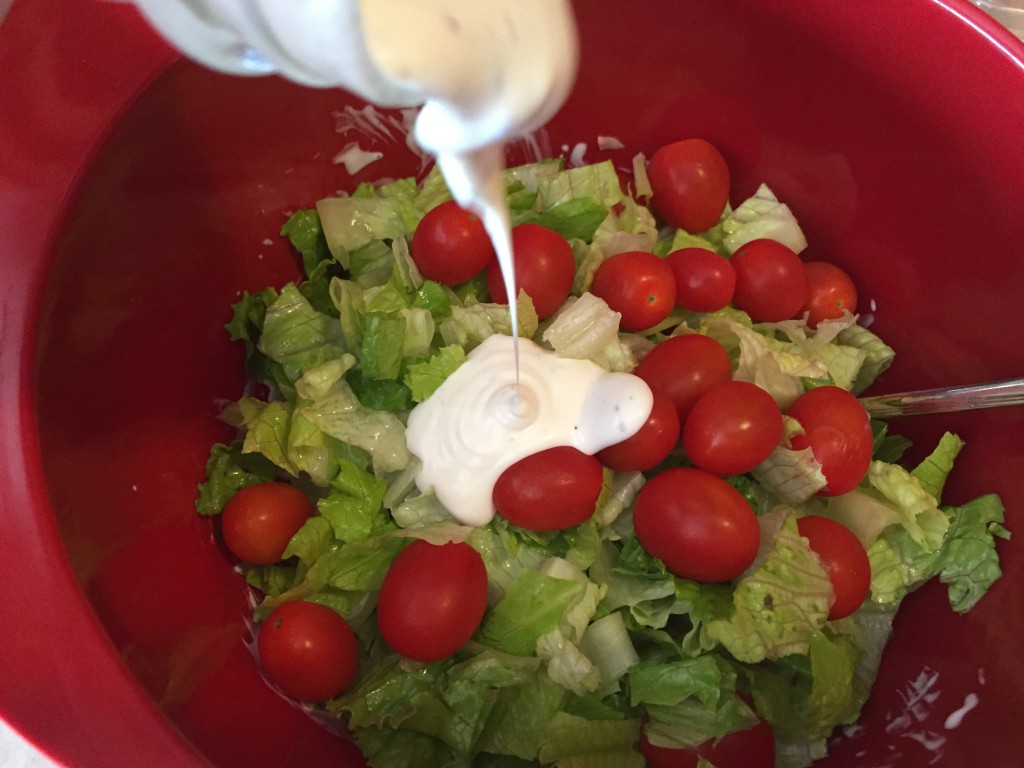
[{"x": 946, "y": 399}]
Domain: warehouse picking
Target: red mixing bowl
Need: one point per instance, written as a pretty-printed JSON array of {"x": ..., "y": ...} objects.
[{"x": 140, "y": 193}]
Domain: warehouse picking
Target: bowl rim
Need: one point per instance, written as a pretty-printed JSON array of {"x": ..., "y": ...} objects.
[{"x": 120, "y": 717}]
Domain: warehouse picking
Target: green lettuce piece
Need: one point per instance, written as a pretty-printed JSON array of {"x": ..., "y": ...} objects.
[
  {"x": 780, "y": 605},
  {"x": 533, "y": 605},
  {"x": 434, "y": 298},
  {"x": 329, "y": 403},
  {"x": 350, "y": 223},
  {"x": 228, "y": 470},
  {"x": 354, "y": 507},
  {"x": 635, "y": 580},
  {"x": 967, "y": 560},
  {"x": 246, "y": 325},
  {"x": 918, "y": 510},
  {"x": 691, "y": 722},
  {"x": 383, "y": 335},
  {"x": 762, "y": 216},
  {"x": 806, "y": 697},
  {"x": 297, "y": 336},
  {"x": 933, "y": 471},
  {"x": 355, "y": 567},
  {"x": 306, "y": 235},
  {"x": 388, "y": 748},
  {"x": 598, "y": 182},
  {"x": 311, "y": 541},
  {"x": 468, "y": 326},
  {"x": 667, "y": 684},
  {"x": 425, "y": 377},
  {"x": 506, "y": 554},
  {"x": 266, "y": 431},
  {"x": 516, "y": 724},
  {"x": 575, "y": 219},
  {"x": 878, "y": 355},
  {"x": 380, "y": 394},
  {"x": 569, "y": 741}
]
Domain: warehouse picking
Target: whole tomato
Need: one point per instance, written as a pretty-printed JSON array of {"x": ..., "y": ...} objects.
[
  {"x": 697, "y": 524},
  {"x": 651, "y": 445},
  {"x": 845, "y": 559},
  {"x": 544, "y": 266},
  {"x": 450, "y": 244},
  {"x": 549, "y": 490},
  {"x": 732, "y": 428},
  {"x": 830, "y": 292},
  {"x": 308, "y": 651},
  {"x": 690, "y": 181},
  {"x": 432, "y": 600},
  {"x": 837, "y": 429},
  {"x": 260, "y": 520},
  {"x": 771, "y": 283},
  {"x": 639, "y": 286},
  {"x": 684, "y": 368}
]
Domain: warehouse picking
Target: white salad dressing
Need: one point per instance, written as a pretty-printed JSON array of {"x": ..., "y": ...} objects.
[
  {"x": 484, "y": 71},
  {"x": 478, "y": 422}
]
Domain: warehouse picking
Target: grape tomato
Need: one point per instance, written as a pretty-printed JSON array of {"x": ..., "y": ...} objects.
[
  {"x": 260, "y": 520},
  {"x": 690, "y": 181},
  {"x": 544, "y": 267},
  {"x": 639, "y": 286},
  {"x": 450, "y": 244},
  {"x": 550, "y": 490},
  {"x": 705, "y": 281},
  {"x": 837, "y": 429},
  {"x": 844, "y": 558},
  {"x": 684, "y": 368},
  {"x": 771, "y": 283}
]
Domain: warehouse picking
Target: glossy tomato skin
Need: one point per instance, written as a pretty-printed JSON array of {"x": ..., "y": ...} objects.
[
  {"x": 450, "y": 244},
  {"x": 308, "y": 651},
  {"x": 651, "y": 445},
  {"x": 732, "y": 428},
  {"x": 845, "y": 560},
  {"x": 639, "y": 286},
  {"x": 750, "y": 748},
  {"x": 697, "y": 524},
  {"x": 690, "y": 181},
  {"x": 432, "y": 600},
  {"x": 830, "y": 292},
  {"x": 838, "y": 431},
  {"x": 260, "y": 520},
  {"x": 684, "y": 368},
  {"x": 549, "y": 490},
  {"x": 705, "y": 281},
  {"x": 544, "y": 267},
  {"x": 771, "y": 283}
]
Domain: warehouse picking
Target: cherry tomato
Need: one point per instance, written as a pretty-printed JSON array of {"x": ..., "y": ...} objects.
[
  {"x": 845, "y": 560},
  {"x": 549, "y": 490},
  {"x": 732, "y": 428},
  {"x": 308, "y": 651},
  {"x": 260, "y": 520},
  {"x": 705, "y": 281},
  {"x": 838, "y": 431},
  {"x": 830, "y": 292},
  {"x": 697, "y": 524},
  {"x": 684, "y": 368},
  {"x": 771, "y": 283},
  {"x": 450, "y": 244},
  {"x": 651, "y": 445},
  {"x": 639, "y": 286},
  {"x": 544, "y": 267},
  {"x": 432, "y": 600},
  {"x": 750, "y": 748},
  {"x": 690, "y": 181}
]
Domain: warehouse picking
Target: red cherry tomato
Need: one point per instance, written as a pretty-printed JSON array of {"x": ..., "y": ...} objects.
[
  {"x": 750, "y": 748},
  {"x": 450, "y": 244},
  {"x": 549, "y": 490},
  {"x": 690, "y": 181},
  {"x": 771, "y": 283},
  {"x": 308, "y": 651},
  {"x": 684, "y": 368},
  {"x": 705, "y": 281},
  {"x": 830, "y": 292},
  {"x": 838, "y": 431},
  {"x": 544, "y": 267},
  {"x": 697, "y": 524},
  {"x": 260, "y": 520},
  {"x": 845, "y": 560},
  {"x": 639, "y": 286},
  {"x": 651, "y": 445},
  {"x": 432, "y": 600},
  {"x": 732, "y": 428}
]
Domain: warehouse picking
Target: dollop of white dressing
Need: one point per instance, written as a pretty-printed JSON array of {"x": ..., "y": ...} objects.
[{"x": 479, "y": 422}]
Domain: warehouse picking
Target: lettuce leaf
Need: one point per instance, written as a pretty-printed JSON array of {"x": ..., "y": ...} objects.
[{"x": 228, "y": 470}]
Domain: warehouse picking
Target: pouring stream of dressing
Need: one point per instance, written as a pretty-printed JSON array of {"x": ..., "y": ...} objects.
[{"x": 484, "y": 72}]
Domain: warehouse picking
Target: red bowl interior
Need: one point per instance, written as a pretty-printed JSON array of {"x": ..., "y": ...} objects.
[{"x": 139, "y": 194}]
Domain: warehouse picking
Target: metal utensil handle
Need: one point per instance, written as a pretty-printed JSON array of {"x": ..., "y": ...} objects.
[{"x": 946, "y": 399}]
